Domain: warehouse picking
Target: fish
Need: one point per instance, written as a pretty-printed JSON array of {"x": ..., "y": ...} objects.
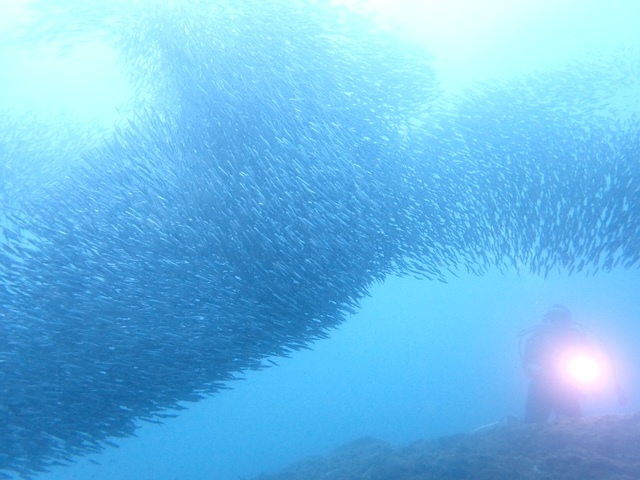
[{"x": 269, "y": 181}]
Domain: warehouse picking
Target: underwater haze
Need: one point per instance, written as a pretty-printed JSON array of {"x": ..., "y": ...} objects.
[{"x": 236, "y": 234}]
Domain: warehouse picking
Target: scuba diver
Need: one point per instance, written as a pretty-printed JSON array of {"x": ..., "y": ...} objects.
[{"x": 561, "y": 365}]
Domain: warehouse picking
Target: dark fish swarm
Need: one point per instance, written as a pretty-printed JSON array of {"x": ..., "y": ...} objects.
[{"x": 280, "y": 158}]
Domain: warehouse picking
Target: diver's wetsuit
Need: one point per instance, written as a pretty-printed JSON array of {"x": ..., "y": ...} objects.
[{"x": 548, "y": 392}]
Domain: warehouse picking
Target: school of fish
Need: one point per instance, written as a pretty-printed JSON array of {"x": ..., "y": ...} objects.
[{"x": 279, "y": 158}]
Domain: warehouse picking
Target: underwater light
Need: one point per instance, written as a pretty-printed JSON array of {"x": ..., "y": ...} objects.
[{"x": 582, "y": 369}]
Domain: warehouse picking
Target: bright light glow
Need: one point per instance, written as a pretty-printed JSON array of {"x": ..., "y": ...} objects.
[
  {"x": 473, "y": 40},
  {"x": 14, "y": 13},
  {"x": 84, "y": 82},
  {"x": 75, "y": 78},
  {"x": 583, "y": 369}
]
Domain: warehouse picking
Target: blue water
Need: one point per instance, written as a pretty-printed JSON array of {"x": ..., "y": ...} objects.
[{"x": 420, "y": 358}]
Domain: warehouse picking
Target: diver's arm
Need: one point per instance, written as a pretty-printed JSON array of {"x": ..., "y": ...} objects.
[{"x": 621, "y": 394}]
